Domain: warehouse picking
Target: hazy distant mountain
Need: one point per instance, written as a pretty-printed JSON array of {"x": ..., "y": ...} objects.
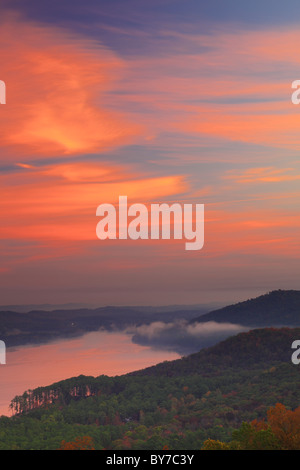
[
  {"x": 44, "y": 307},
  {"x": 40, "y": 326},
  {"x": 141, "y": 308},
  {"x": 184, "y": 329},
  {"x": 277, "y": 308}
]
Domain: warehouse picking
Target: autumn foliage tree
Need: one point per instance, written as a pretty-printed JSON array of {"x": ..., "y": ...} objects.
[
  {"x": 80, "y": 443},
  {"x": 285, "y": 425},
  {"x": 281, "y": 431}
]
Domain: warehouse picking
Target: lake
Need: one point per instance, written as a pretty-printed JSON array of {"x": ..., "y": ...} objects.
[{"x": 94, "y": 354}]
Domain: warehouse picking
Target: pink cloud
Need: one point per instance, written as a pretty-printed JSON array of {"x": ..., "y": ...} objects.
[{"x": 55, "y": 84}]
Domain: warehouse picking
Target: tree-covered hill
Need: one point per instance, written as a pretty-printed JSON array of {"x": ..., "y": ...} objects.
[
  {"x": 255, "y": 348},
  {"x": 277, "y": 308},
  {"x": 178, "y": 404}
]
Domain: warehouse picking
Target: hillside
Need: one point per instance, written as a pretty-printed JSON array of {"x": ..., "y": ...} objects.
[
  {"x": 179, "y": 404},
  {"x": 258, "y": 347},
  {"x": 277, "y": 308}
]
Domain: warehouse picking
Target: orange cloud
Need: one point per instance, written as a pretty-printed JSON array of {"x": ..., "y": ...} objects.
[
  {"x": 262, "y": 175},
  {"x": 240, "y": 124},
  {"x": 235, "y": 86},
  {"x": 261, "y": 231},
  {"x": 56, "y": 204},
  {"x": 58, "y": 84},
  {"x": 55, "y": 87}
]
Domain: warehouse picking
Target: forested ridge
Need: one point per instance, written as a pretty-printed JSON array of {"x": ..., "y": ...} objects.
[
  {"x": 276, "y": 308},
  {"x": 179, "y": 404}
]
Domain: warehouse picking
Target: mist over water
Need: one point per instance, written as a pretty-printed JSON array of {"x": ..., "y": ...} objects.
[{"x": 182, "y": 336}]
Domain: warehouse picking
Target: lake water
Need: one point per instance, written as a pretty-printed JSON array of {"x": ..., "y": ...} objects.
[{"x": 94, "y": 354}]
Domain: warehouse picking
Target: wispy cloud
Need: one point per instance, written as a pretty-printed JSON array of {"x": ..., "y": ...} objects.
[{"x": 262, "y": 175}]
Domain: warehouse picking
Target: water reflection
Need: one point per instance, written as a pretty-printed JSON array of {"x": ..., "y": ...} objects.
[{"x": 93, "y": 354}]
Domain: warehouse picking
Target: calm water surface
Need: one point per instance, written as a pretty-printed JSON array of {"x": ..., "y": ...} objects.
[{"x": 28, "y": 367}]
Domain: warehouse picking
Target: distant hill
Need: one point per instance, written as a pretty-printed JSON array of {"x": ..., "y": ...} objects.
[
  {"x": 44, "y": 307},
  {"x": 277, "y": 308},
  {"x": 40, "y": 326},
  {"x": 205, "y": 307}
]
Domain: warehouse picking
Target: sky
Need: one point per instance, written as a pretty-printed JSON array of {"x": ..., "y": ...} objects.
[{"x": 162, "y": 101}]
